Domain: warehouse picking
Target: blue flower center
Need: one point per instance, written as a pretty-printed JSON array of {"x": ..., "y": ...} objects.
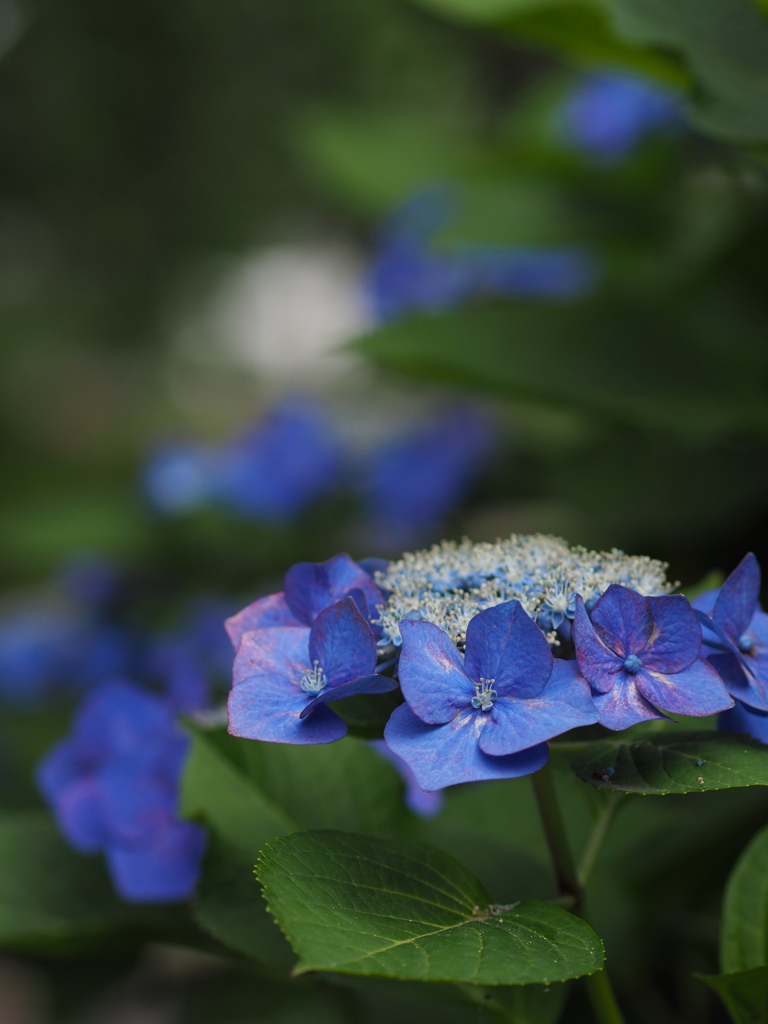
[
  {"x": 633, "y": 664},
  {"x": 745, "y": 643},
  {"x": 313, "y": 680},
  {"x": 484, "y": 694}
]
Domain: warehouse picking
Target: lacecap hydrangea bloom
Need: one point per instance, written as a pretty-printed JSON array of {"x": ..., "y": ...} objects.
[
  {"x": 497, "y": 649},
  {"x": 113, "y": 787}
]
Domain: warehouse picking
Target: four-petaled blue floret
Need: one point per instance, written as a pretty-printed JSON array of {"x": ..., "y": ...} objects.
[
  {"x": 113, "y": 787},
  {"x": 488, "y": 714},
  {"x": 284, "y": 676},
  {"x": 310, "y": 588},
  {"x": 736, "y": 634},
  {"x": 640, "y": 654}
]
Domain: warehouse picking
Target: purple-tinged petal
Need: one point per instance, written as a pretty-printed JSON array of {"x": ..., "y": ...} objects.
[
  {"x": 505, "y": 644},
  {"x": 741, "y": 718},
  {"x": 516, "y": 724},
  {"x": 136, "y": 805},
  {"x": 342, "y": 643},
  {"x": 696, "y": 690},
  {"x": 164, "y": 871},
  {"x": 739, "y": 683},
  {"x": 706, "y": 602},
  {"x": 119, "y": 717},
  {"x": 622, "y": 619},
  {"x": 366, "y": 684},
  {"x": 738, "y": 598},
  {"x": 675, "y": 641},
  {"x": 310, "y": 587},
  {"x": 624, "y": 705},
  {"x": 445, "y": 755},
  {"x": 269, "y": 708},
  {"x": 599, "y": 665},
  {"x": 271, "y": 610},
  {"x": 431, "y": 673},
  {"x": 273, "y": 651}
]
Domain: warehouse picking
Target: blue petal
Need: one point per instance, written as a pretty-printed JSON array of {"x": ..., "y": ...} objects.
[
  {"x": 118, "y": 717},
  {"x": 366, "y": 684},
  {"x": 269, "y": 708},
  {"x": 136, "y": 804},
  {"x": 738, "y": 683},
  {"x": 506, "y": 645},
  {"x": 738, "y": 598},
  {"x": 444, "y": 755},
  {"x": 272, "y": 651},
  {"x": 624, "y": 705},
  {"x": 741, "y": 718},
  {"x": 516, "y": 724},
  {"x": 310, "y": 587},
  {"x": 676, "y": 638},
  {"x": 271, "y": 610},
  {"x": 696, "y": 690},
  {"x": 162, "y": 870},
  {"x": 432, "y": 674},
  {"x": 598, "y": 665},
  {"x": 623, "y": 621},
  {"x": 342, "y": 643},
  {"x": 79, "y": 811}
]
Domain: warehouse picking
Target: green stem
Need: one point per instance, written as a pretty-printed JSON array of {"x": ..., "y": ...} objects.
[
  {"x": 557, "y": 838},
  {"x": 570, "y": 883},
  {"x": 597, "y": 838}
]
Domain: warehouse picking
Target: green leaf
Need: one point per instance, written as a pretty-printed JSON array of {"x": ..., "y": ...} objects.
[
  {"x": 672, "y": 762},
  {"x": 580, "y": 355},
  {"x": 358, "y": 905},
  {"x": 724, "y": 44},
  {"x": 744, "y": 932},
  {"x": 744, "y": 994},
  {"x": 49, "y": 894}
]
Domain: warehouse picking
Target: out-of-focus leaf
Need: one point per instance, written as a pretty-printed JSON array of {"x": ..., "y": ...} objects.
[
  {"x": 744, "y": 994},
  {"x": 724, "y": 44},
  {"x": 356, "y": 905},
  {"x": 617, "y": 360},
  {"x": 50, "y": 895},
  {"x": 744, "y": 932},
  {"x": 672, "y": 762}
]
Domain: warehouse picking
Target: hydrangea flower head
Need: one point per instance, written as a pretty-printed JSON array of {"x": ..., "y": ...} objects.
[
  {"x": 284, "y": 677},
  {"x": 486, "y": 714},
  {"x": 608, "y": 114},
  {"x": 642, "y": 653},
  {"x": 450, "y": 583},
  {"x": 113, "y": 785},
  {"x": 310, "y": 588},
  {"x": 737, "y": 633}
]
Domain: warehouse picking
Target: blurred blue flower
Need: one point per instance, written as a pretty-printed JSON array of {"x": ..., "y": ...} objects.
[
  {"x": 407, "y": 274},
  {"x": 642, "y": 653},
  {"x": 113, "y": 786},
  {"x": 412, "y": 483},
  {"x": 286, "y": 461},
  {"x": 39, "y": 648},
  {"x": 608, "y": 115},
  {"x": 91, "y": 580},
  {"x": 176, "y": 479},
  {"x": 283, "y": 677},
  {"x": 736, "y": 633},
  {"x": 488, "y": 714}
]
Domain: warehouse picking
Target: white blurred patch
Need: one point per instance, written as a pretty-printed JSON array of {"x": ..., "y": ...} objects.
[{"x": 285, "y": 311}]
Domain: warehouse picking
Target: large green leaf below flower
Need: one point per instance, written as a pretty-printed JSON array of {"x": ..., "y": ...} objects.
[{"x": 358, "y": 905}]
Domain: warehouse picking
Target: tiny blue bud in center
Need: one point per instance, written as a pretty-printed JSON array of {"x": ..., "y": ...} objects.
[
  {"x": 745, "y": 643},
  {"x": 633, "y": 664},
  {"x": 485, "y": 695},
  {"x": 313, "y": 680}
]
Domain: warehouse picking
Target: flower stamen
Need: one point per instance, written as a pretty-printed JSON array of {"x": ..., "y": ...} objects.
[
  {"x": 314, "y": 679},
  {"x": 484, "y": 695}
]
